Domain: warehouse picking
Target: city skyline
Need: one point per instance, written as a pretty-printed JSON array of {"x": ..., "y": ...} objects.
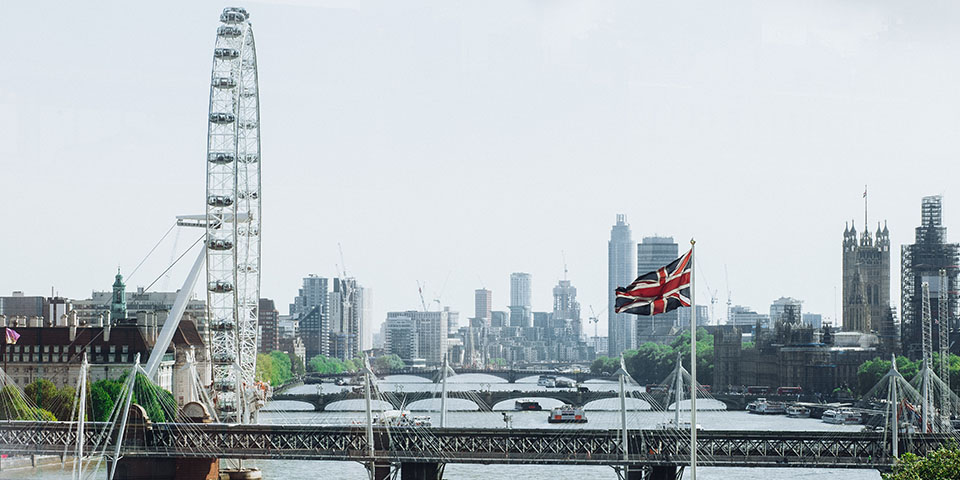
[{"x": 772, "y": 175}]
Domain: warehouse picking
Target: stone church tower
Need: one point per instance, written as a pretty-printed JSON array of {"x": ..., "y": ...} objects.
[{"x": 866, "y": 278}]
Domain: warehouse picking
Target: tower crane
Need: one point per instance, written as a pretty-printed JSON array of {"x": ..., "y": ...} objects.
[
  {"x": 713, "y": 295},
  {"x": 595, "y": 319},
  {"x": 423, "y": 304},
  {"x": 729, "y": 303}
]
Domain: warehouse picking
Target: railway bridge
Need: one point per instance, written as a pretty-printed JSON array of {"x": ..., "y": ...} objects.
[{"x": 649, "y": 454}]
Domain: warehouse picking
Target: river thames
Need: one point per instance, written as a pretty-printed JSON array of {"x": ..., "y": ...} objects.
[{"x": 603, "y": 416}]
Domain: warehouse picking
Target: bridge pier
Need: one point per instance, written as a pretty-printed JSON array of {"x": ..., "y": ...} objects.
[
  {"x": 663, "y": 472},
  {"x": 421, "y": 471}
]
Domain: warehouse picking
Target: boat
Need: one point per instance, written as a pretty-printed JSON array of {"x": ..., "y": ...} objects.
[
  {"x": 567, "y": 414},
  {"x": 527, "y": 405},
  {"x": 763, "y": 407},
  {"x": 548, "y": 381},
  {"x": 797, "y": 411},
  {"x": 752, "y": 407},
  {"x": 842, "y": 416},
  {"x": 399, "y": 418},
  {"x": 670, "y": 425}
]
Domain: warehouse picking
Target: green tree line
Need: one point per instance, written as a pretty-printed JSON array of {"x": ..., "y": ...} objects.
[
  {"x": 871, "y": 371},
  {"x": 277, "y": 368},
  {"x": 653, "y": 362}
]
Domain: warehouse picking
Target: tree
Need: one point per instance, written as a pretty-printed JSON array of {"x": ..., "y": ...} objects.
[
  {"x": 325, "y": 364},
  {"x": 870, "y": 372},
  {"x": 386, "y": 363},
  {"x": 943, "y": 463},
  {"x": 296, "y": 364},
  {"x": 264, "y": 368},
  {"x": 604, "y": 365}
]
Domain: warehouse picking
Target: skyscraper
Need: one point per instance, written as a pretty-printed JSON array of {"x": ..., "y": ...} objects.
[
  {"x": 866, "y": 279},
  {"x": 483, "y": 305},
  {"x": 346, "y": 318},
  {"x": 521, "y": 311},
  {"x": 269, "y": 324},
  {"x": 310, "y": 307},
  {"x": 566, "y": 308},
  {"x": 652, "y": 254},
  {"x": 921, "y": 263},
  {"x": 621, "y": 270}
]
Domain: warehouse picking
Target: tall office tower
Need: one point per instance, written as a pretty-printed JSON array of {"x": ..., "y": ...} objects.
[
  {"x": 654, "y": 253},
  {"x": 521, "y": 311},
  {"x": 413, "y": 335},
  {"x": 310, "y": 308},
  {"x": 346, "y": 311},
  {"x": 366, "y": 318},
  {"x": 483, "y": 306},
  {"x": 921, "y": 263},
  {"x": 269, "y": 322},
  {"x": 621, "y": 270},
  {"x": 866, "y": 279},
  {"x": 566, "y": 308}
]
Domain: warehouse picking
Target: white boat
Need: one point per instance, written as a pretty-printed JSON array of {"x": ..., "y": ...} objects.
[
  {"x": 842, "y": 416},
  {"x": 548, "y": 381},
  {"x": 683, "y": 425},
  {"x": 399, "y": 418},
  {"x": 797, "y": 411},
  {"x": 763, "y": 407},
  {"x": 567, "y": 414}
]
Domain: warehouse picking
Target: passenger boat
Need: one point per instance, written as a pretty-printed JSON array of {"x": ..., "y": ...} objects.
[
  {"x": 797, "y": 411},
  {"x": 842, "y": 416},
  {"x": 399, "y": 418},
  {"x": 763, "y": 407},
  {"x": 527, "y": 405},
  {"x": 567, "y": 414},
  {"x": 670, "y": 425},
  {"x": 548, "y": 381}
]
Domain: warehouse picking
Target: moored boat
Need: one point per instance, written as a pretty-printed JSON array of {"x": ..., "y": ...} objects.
[
  {"x": 842, "y": 416},
  {"x": 764, "y": 407},
  {"x": 527, "y": 405},
  {"x": 567, "y": 414},
  {"x": 797, "y": 411}
]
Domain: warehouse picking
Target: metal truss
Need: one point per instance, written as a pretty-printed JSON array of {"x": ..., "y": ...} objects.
[{"x": 457, "y": 445}]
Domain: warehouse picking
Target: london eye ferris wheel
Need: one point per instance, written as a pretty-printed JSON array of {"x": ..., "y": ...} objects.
[{"x": 233, "y": 215}]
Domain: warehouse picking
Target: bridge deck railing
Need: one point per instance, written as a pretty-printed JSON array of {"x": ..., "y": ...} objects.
[{"x": 467, "y": 445}]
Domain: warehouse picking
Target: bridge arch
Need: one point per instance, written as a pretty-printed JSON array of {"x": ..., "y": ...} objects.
[
  {"x": 509, "y": 404},
  {"x": 433, "y": 405},
  {"x": 287, "y": 406},
  {"x": 702, "y": 404},
  {"x": 357, "y": 405},
  {"x": 613, "y": 404}
]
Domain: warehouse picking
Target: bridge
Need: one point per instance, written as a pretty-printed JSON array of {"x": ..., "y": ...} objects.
[
  {"x": 487, "y": 399},
  {"x": 511, "y": 375},
  {"x": 419, "y": 450}
]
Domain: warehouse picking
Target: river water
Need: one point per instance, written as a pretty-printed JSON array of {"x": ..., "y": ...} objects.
[{"x": 603, "y": 416}]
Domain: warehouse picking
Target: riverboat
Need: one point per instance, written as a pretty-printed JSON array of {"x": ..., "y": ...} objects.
[
  {"x": 521, "y": 405},
  {"x": 842, "y": 416},
  {"x": 797, "y": 411},
  {"x": 548, "y": 381},
  {"x": 399, "y": 418},
  {"x": 567, "y": 414},
  {"x": 763, "y": 407},
  {"x": 683, "y": 425}
]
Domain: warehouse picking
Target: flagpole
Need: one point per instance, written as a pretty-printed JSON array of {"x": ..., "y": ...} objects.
[{"x": 693, "y": 366}]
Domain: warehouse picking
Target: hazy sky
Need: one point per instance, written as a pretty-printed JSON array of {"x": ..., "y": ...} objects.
[{"x": 457, "y": 142}]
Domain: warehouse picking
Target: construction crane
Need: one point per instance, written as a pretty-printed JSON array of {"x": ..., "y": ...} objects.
[
  {"x": 729, "y": 303},
  {"x": 712, "y": 292},
  {"x": 595, "y": 319},
  {"x": 343, "y": 265},
  {"x": 423, "y": 304}
]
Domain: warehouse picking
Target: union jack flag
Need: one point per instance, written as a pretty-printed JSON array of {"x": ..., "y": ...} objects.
[{"x": 658, "y": 291}]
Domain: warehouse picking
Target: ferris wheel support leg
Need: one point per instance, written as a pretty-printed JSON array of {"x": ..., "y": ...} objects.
[{"x": 173, "y": 318}]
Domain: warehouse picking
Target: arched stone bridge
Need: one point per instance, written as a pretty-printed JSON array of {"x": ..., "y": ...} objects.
[
  {"x": 486, "y": 400},
  {"x": 511, "y": 376}
]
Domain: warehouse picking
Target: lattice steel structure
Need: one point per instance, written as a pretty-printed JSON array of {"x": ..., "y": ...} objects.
[
  {"x": 922, "y": 262},
  {"x": 233, "y": 215},
  {"x": 832, "y": 449}
]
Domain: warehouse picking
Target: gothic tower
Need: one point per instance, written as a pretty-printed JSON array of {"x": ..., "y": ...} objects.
[{"x": 866, "y": 278}]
